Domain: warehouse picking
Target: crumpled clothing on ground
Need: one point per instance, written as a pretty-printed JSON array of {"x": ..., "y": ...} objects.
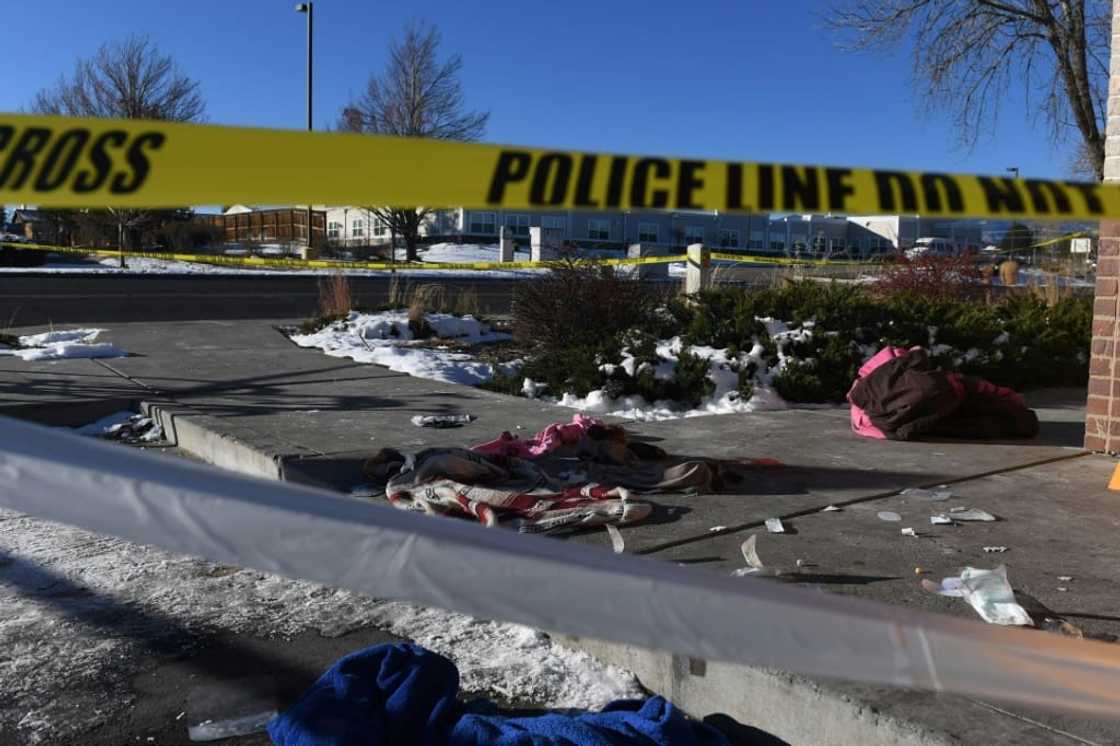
[
  {"x": 403, "y": 694},
  {"x": 546, "y": 441},
  {"x": 502, "y": 490},
  {"x": 585, "y": 438},
  {"x": 899, "y": 396}
]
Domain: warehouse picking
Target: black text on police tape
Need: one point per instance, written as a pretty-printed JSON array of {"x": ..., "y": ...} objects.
[
  {"x": 565, "y": 179},
  {"x": 74, "y": 159}
]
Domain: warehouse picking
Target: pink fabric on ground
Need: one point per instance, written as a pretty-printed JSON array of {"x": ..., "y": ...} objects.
[
  {"x": 548, "y": 440},
  {"x": 861, "y": 423}
]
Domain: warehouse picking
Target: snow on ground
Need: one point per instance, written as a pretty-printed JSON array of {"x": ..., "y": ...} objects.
[
  {"x": 385, "y": 339},
  {"x": 723, "y": 372},
  {"x": 83, "y": 613},
  {"x": 57, "y": 345}
]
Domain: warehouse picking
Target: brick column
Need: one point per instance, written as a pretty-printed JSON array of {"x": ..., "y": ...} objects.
[{"x": 1102, "y": 420}]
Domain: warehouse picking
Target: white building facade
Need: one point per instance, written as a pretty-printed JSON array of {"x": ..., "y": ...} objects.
[{"x": 794, "y": 235}]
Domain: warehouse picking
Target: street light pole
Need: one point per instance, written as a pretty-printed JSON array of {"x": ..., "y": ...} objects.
[{"x": 309, "y": 9}]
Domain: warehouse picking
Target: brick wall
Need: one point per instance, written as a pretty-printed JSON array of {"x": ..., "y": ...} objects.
[{"x": 1102, "y": 421}]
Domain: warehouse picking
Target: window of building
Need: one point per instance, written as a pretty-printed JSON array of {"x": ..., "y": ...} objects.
[
  {"x": 693, "y": 234},
  {"x": 357, "y": 229},
  {"x": 518, "y": 225},
  {"x": 334, "y": 229},
  {"x": 483, "y": 223},
  {"x": 728, "y": 239},
  {"x": 599, "y": 229},
  {"x": 820, "y": 244},
  {"x": 839, "y": 244},
  {"x": 648, "y": 233},
  {"x": 552, "y": 222},
  {"x": 758, "y": 240},
  {"x": 380, "y": 228},
  {"x": 777, "y": 244}
]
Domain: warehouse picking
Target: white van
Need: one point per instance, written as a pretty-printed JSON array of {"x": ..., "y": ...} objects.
[{"x": 932, "y": 247}]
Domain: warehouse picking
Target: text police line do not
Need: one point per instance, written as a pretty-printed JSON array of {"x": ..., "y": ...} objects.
[{"x": 561, "y": 179}]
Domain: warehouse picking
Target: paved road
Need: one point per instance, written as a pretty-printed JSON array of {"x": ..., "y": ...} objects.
[{"x": 33, "y": 299}]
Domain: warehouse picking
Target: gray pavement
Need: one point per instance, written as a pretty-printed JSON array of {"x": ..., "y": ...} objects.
[{"x": 242, "y": 385}]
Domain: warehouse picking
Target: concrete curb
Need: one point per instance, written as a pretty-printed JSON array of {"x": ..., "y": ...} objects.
[
  {"x": 793, "y": 708},
  {"x": 200, "y": 435}
]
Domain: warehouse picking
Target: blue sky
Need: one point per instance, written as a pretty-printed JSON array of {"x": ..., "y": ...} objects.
[{"x": 734, "y": 79}]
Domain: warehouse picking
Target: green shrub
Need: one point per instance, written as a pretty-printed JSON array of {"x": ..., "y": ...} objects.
[{"x": 1019, "y": 341}]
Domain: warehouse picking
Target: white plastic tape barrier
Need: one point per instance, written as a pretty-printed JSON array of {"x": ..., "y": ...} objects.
[{"x": 552, "y": 585}]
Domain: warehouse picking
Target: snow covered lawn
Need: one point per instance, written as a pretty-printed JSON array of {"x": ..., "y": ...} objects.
[
  {"x": 57, "y": 345},
  {"x": 82, "y": 613},
  {"x": 385, "y": 338}
]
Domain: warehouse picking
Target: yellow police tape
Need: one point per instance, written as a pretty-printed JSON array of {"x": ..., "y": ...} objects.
[
  {"x": 65, "y": 162},
  {"x": 296, "y": 264}
]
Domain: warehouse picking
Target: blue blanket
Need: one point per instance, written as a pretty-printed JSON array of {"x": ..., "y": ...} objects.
[{"x": 398, "y": 695}]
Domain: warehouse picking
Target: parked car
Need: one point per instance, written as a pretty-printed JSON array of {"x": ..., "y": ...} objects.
[{"x": 932, "y": 247}]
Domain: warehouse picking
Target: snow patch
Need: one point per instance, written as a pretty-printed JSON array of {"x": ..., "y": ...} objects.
[
  {"x": 386, "y": 339},
  {"x": 58, "y": 345}
]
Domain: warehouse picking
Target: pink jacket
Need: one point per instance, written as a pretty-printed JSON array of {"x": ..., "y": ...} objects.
[{"x": 548, "y": 440}]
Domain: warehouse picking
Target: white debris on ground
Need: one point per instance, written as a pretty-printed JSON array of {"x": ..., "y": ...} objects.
[
  {"x": 386, "y": 338},
  {"x": 124, "y": 425},
  {"x": 85, "y": 613},
  {"x": 58, "y": 345}
]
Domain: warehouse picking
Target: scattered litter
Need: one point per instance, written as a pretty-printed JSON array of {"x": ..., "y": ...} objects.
[
  {"x": 909, "y": 532},
  {"x": 1062, "y": 627},
  {"x": 995, "y": 550},
  {"x": 920, "y": 571},
  {"x": 936, "y": 496},
  {"x": 941, "y": 520},
  {"x": 805, "y": 563},
  {"x": 750, "y": 552},
  {"x": 617, "y": 542},
  {"x": 958, "y": 509},
  {"x": 180, "y": 715},
  {"x": 973, "y": 515},
  {"x": 1062, "y": 588},
  {"x": 714, "y": 529},
  {"x": 774, "y": 526},
  {"x": 754, "y": 563},
  {"x": 987, "y": 591},
  {"x": 887, "y": 515},
  {"x": 1065, "y": 577},
  {"x": 236, "y": 707},
  {"x": 830, "y": 509},
  {"x": 443, "y": 420},
  {"x": 125, "y": 426}
]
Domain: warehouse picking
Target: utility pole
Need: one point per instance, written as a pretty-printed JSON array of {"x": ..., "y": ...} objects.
[{"x": 309, "y": 9}]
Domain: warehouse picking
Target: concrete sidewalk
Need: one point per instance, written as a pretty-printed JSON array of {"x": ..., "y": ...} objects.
[{"x": 240, "y": 395}]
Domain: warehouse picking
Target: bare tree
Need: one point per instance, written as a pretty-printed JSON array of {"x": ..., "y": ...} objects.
[
  {"x": 129, "y": 79},
  {"x": 416, "y": 96},
  {"x": 968, "y": 54}
]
